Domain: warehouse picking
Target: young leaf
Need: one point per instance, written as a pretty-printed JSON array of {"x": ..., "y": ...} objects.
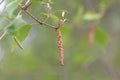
[
  {"x": 63, "y": 14},
  {"x": 43, "y": 1},
  {"x": 11, "y": 29},
  {"x": 37, "y": 0},
  {"x": 79, "y": 58},
  {"x": 92, "y": 16},
  {"x": 101, "y": 38},
  {"x": 78, "y": 16},
  {"x": 12, "y": 6},
  {"x": 16, "y": 24},
  {"x": 61, "y": 11},
  {"x": 21, "y": 34},
  {"x": 66, "y": 34},
  {"x": 51, "y": 16}
]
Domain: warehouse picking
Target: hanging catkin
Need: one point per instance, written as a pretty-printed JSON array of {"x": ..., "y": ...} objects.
[
  {"x": 60, "y": 45},
  {"x": 91, "y": 35}
]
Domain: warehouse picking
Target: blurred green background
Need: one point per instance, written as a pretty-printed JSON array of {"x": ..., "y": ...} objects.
[{"x": 40, "y": 58}]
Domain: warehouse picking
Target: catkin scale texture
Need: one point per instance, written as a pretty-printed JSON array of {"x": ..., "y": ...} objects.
[{"x": 60, "y": 45}]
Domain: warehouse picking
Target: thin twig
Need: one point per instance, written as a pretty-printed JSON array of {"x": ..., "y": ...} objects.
[
  {"x": 40, "y": 22},
  {"x": 27, "y": 2},
  {"x": 26, "y": 11},
  {"x": 34, "y": 18}
]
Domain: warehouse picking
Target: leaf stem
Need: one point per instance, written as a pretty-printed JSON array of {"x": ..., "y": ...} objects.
[
  {"x": 18, "y": 42},
  {"x": 2, "y": 35}
]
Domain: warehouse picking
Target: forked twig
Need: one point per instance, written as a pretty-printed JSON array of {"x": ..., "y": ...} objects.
[{"x": 24, "y": 8}]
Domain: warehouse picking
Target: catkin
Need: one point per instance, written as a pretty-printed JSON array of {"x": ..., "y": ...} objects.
[
  {"x": 91, "y": 35},
  {"x": 60, "y": 46}
]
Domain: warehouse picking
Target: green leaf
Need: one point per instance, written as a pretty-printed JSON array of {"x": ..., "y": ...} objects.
[
  {"x": 66, "y": 34},
  {"x": 15, "y": 25},
  {"x": 78, "y": 16},
  {"x": 19, "y": 29},
  {"x": 37, "y": 0},
  {"x": 43, "y": 1},
  {"x": 101, "y": 38},
  {"x": 1, "y": 16},
  {"x": 21, "y": 35},
  {"x": 103, "y": 5},
  {"x": 79, "y": 58},
  {"x": 92, "y": 16},
  {"x": 51, "y": 16},
  {"x": 62, "y": 11},
  {"x": 23, "y": 32},
  {"x": 11, "y": 29},
  {"x": 12, "y": 6}
]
